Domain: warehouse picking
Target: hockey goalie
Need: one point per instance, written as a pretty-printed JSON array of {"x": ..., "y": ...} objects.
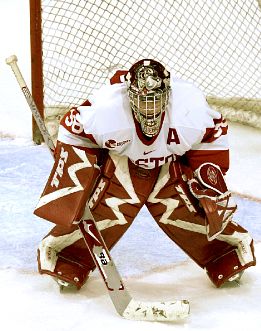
[{"x": 147, "y": 138}]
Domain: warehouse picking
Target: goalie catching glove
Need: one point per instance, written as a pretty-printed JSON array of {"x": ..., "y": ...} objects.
[{"x": 209, "y": 187}]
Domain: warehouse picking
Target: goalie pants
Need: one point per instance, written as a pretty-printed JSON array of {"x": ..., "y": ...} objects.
[{"x": 119, "y": 195}]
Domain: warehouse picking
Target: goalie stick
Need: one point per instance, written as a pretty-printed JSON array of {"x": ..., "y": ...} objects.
[
  {"x": 12, "y": 61},
  {"x": 124, "y": 304}
]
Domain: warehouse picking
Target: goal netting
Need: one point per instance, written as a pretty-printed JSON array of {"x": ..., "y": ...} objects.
[{"x": 215, "y": 44}]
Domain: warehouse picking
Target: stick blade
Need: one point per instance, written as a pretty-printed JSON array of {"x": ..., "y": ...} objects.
[{"x": 157, "y": 311}]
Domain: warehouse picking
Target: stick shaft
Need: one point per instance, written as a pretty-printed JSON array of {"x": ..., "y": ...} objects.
[{"x": 12, "y": 61}]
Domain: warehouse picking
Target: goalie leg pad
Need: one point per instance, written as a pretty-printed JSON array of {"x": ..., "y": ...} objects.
[
  {"x": 70, "y": 183},
  {"x": 235, "y": 261},
  {"x": 178, "y": 214},
  {"x": 66, "y": 270},
  {"x": 116, "y": 200},
  {"x": 63, "y": 255},
  {"x": 226, "y": 266}
]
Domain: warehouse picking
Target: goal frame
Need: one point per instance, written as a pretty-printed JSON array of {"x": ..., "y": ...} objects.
[{"x": 36, "y": 65}]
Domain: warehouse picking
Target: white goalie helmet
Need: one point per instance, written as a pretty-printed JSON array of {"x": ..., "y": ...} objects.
[{"x": 148, "y": 84}]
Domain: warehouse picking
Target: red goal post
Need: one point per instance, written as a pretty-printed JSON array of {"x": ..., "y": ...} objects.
[{"x": 77, "y": 44}]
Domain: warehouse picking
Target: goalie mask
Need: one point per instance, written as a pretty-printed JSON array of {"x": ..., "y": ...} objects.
[{"x": 148, "y": 90}]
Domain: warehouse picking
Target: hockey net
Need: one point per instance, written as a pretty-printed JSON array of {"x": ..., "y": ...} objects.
[{"x": 77, "y": 45}]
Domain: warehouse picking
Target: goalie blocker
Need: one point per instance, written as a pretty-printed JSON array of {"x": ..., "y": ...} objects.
[{"x": 115, "y": 200}]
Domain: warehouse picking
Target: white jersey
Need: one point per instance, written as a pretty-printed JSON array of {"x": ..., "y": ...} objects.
[{"x": 189, "y": 124}]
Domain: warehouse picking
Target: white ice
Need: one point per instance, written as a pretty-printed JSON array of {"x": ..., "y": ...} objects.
[{"x": 152, "y": 267}]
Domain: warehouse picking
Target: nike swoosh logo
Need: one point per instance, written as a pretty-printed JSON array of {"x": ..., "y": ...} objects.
[{"x": 145, "y": 153}]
